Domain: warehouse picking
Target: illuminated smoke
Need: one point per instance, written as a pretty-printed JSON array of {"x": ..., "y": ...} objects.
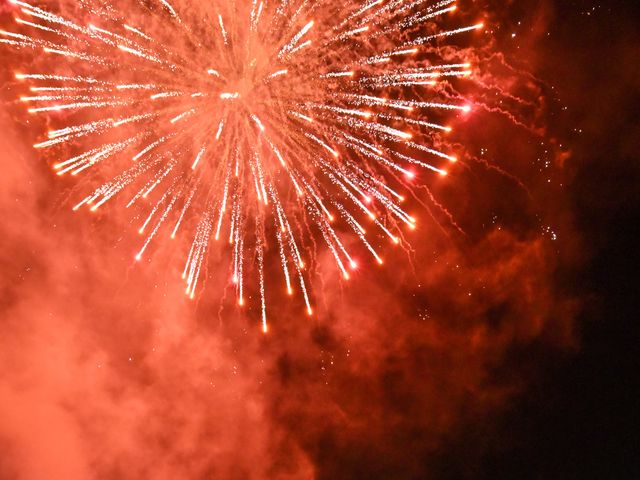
[{"x": 248, "y": 127}]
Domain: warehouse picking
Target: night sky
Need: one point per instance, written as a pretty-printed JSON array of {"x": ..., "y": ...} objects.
[{"x": 503, "y": 345}]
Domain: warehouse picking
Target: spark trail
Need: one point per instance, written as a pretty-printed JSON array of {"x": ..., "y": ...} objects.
[{"x": 235, "y": 123}]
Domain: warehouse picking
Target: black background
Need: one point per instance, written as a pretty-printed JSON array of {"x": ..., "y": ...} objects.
[{"x": 580, "y": 418}]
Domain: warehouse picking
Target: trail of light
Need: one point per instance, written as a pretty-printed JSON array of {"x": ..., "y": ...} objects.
[
  {"x": 137, "y": 32},
  {"x": 288, "y": 48},
  {"x": 313, "y": 113}
]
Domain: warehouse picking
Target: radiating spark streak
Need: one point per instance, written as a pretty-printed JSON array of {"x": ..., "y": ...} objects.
[
  {"x": 338, "y": 74},
  {"x": 43, "y": 97},
  {"x": 255, "y": 182},
  {"x": 318, "y": 200},
  {"x": 302, "y": 116},
  {"x": 376, "y": 59},
  {"x": 222, "y": 30},
  {"x": 148, "y": 148},
  {"x": 419, "y": 163},
  {"x": 58, "y": 89},
  {"x": 134, "y": 118},
  {"x": 63, "y": 134},
  {"x": 289, "y": 47},
  {"x": 317, "y": 124},
  {"x": 155, "y": 229},
  {"x": 444, "y": 106},
  {"x": 118, "y": 184},
  {"x": 42, "y": 27},
  {"x": 278, "y": 73},
  {"x": 355, "y": 31},
  {"x": 260, "y": 172},
  {"x": 347, "y": 111},
  {"x": 82, "y": 202},
  {"x": 403, "y": 104},
  {"x": 366, "y": 7},
  {"x": 196, "y": 255},
  {"x": 263, "y": 303},
  {"x": 77, "y": 105},
  {"x": 135, "y": 86},
  {"x": 48, "y": 143},
  {"x": 198, "y": 158},
  {"x": 360, "y": 232},
  {"x": 15, "y": 35},
  {"x": 219, "y": 132},
  {"x": 155, "y": 96},
  {"x": 156, "y": 182},
  {"x": 299, "y": 47},
  {"x": 258, "y": 122},
  {"x": 39, "y": 13},
  {"x": 223, "y": 205},
  {"x": 41, "y": 76},
  {"x": 77, "y": 158},
  {"x": 240, "y": 273},
  {"x": 322, "y": 144},
  {"x": 81, "y": 162},
  {"x": 432, "y": 151},
  {"x": 277, "y": 153},
  {"x": 177, "y": 118},
  {"x": 138, "y": 53},
  {"x": 421, "y": 40},
  {"x": 14, "y": 42},
  {"x": 66, "y": 53},
  {"x": 137, "y": 32},
  {"x": 169, "y": 7},
  {"x": 411, "y": 121},
  {"x": 345, "y": 35},
  {"x": 255, "y": 15},
  {"x": 155, "y": 209},
  {"x": 188, "y": 263},
  {"x": 283, "y": 257},
  {"x": 325, "y": 229},
  {"x": 101, "y": 30},
  {"x": 185, "y": 207}
]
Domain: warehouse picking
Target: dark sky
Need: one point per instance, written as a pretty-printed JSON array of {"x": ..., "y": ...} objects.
[
  {"x": 579, "y": 418},
  {"x": 503, "y": 346}
]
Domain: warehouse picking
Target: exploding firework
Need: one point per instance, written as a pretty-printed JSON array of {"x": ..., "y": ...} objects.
[{"x": 255, "y": 124}]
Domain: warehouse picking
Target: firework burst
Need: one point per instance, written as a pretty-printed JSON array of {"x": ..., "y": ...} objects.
[{"x": 250, "y": 124}]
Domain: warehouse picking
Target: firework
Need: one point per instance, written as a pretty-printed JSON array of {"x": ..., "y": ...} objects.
[{"x": 248, "y": 125}]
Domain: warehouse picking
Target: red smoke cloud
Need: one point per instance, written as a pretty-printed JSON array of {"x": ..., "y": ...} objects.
[{"x": 107, "y": 370}]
